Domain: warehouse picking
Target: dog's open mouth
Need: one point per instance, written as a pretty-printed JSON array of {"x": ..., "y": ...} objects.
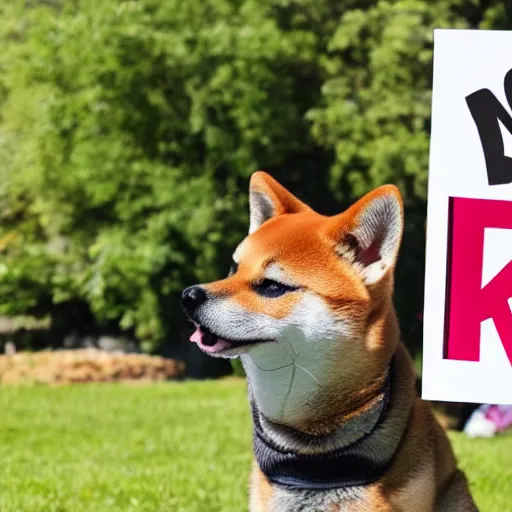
[{"x": 210, "y": 343}]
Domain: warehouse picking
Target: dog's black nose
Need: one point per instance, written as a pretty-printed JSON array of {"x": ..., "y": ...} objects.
[{"x": 192, "y": 298}]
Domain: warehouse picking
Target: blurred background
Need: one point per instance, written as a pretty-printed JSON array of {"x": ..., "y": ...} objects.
[{"x": 129, "y": 131}]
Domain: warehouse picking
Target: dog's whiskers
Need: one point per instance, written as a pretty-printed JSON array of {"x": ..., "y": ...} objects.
[
  {"x": 308, "y": 372},
  {"x": 294, "y": 357}
]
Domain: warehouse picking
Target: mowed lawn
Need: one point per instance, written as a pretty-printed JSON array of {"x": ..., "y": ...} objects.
[{"x": 159, "y": 447}]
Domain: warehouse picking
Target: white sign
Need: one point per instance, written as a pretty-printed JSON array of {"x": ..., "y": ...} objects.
[{"x": 467, "y": 353}]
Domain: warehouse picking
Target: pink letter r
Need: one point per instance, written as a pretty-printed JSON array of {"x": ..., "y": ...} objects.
[{"x": 468, "y": 304}]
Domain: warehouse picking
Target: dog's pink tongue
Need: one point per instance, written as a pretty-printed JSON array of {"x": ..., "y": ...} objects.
[{"x": 197, "y": 336}]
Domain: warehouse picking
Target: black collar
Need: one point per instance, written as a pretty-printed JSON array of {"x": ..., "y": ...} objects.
[{"x": 358, "y": 464}]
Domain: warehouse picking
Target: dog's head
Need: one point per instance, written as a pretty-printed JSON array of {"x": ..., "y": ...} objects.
[{"x": 301, "y": 276}]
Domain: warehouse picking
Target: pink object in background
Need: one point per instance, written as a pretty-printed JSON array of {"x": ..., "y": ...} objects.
[
  {"x": 501, "y": 416},
  {"x": 488, "y": 420}
]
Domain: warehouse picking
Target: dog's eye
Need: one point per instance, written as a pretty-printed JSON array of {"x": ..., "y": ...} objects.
[
  {"x": 233, "y": 268},
  {"x": 271, "y": 289}
]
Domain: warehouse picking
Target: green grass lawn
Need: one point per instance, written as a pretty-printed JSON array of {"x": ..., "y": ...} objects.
[{"x": 161, "y": 447}]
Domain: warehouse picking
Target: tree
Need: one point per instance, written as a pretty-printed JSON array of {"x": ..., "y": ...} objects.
[{"x": 128, "y": 131}]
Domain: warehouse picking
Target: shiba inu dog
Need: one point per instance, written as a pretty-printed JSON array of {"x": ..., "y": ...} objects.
[{"x": 307, "y": 306}]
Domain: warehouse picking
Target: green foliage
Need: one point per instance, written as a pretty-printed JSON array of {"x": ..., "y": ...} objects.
[
  {"x": 128, "y": 130},
  {"x": 375, "y": 112}
]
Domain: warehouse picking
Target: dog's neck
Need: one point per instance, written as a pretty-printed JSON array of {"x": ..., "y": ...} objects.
[
  {"x": 355, "y": 453},
  {"x": 302, "y": 387},
  {"x": 343, "y": 431},
  {"x": 313, "y": 386},
  {"x": 285, "y": 377}
]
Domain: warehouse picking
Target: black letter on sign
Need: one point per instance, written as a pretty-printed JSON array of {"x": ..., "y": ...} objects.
[{"x": 486, "y": 110}]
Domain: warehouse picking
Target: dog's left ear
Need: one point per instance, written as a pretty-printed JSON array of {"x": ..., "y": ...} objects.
[
  {"x": 369, "y": 233},
  {"x": 267, "y": 199}
]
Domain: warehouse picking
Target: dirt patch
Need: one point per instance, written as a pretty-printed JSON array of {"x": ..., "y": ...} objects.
[{"x": 87, "y": 365}]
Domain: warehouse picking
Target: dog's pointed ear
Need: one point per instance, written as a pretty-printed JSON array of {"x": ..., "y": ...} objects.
[
  {"x": 268, "y": 198},
  {"x": 369, "y": 233}
]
